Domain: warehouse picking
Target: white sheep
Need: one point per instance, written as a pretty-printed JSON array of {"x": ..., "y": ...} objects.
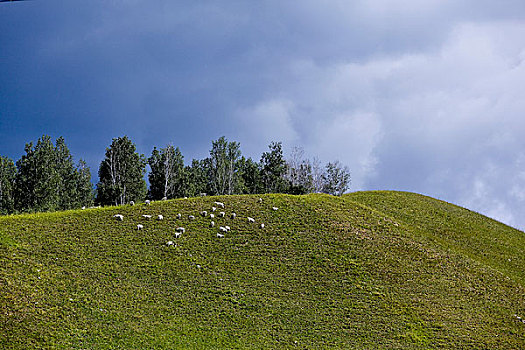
[
  {"x": 221, "y": 214},
  {"x": 227, "y": 228},
  {"x": 275, "y": 208},
  {"x": 212, "y": 224},
  {"x": 220, "y": 235},
  {"x": 180, "y": 229},
  {"x": 169, "y": 243},
  {"x": 140, "y": 227},
  {"x": 160, "y": 217},
  {"x": 179, "y": 216},
  {"x": 233, "y": 216},
  {"x": 83, "y": 208},
  {"x": 164, "y": 198},
  {"x": 119, "y": 217},
  {"x": 191, "y": 217},
  {"x": 147, "y": 217},
  {"x": 213, "y": 208},
  {"x": 177, "y": 234},
  {"x": 219, "y": 204},
  {"x": 148, "y": 202},
  {"x": 212, "y": 215},
  {"x": 260, "y": 200},
  {"x": 262, "y": 226},
  {"x": 251, "y": 219},
  {"x": 132, "y": 203},
  {"x": 204, "y": 213},
  {"x": 223, "y": 229}
]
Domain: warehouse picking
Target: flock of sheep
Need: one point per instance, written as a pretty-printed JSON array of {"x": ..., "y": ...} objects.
[{"x": 214, "y": 213}]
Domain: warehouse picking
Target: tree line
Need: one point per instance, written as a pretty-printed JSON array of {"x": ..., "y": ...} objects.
[{"x": 46, "y": 178}]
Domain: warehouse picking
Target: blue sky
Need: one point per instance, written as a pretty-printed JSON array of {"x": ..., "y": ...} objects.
[{"x": 424, "y": 96}]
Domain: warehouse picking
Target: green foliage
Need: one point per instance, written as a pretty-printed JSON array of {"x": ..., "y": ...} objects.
[
  {"x": 368, "y": 270},
  {"x": 336, "y": 179},
  {"x": 273, "y": 169},
  {"x": 7, "y": 182},
  {"x": 196, "y": 178},
  {"x": 299, "y": 173},
  {"x": 249, "y": 173},
  {"x": 47, "y": 179},
  {"x": 167, "y": 173},
  {"x": 223, "y": 160},
  {"x": 121, "y": 174}
]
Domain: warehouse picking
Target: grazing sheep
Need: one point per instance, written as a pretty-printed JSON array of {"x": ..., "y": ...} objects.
[
  {"x": 177, "y": 234},
  {"x": 227, "y": 228},
  {"x": 191, "y": 217},
  {"x": 219, "y": 204},
  {"x": 140, "y": 227},
  {"x": 212, "y": 224},
  {"x": 160, "y": 217},
  {"x": 179, "y": 216},
  {"x": 83, "y": 208},
  {"x": 262, "y": 226},
  {"x": 223, "y": 229},
  {"x": 180, "y": 229},
  {"x": 213, "y": 208},
  {"x": 204, "y": 213},
  {"x": 233, "y": 216},
  {"x": 132, "y": 203},
  {"x": 220, "y": 235},
  {"x": 147, "y": 202},
  {"x": 275, "y": 208},
  {"x": 212, "y": 216},
  {"x": 164, "y": 198},
  {"x": 202, "y": 194},
  {"x": 147, "y": 217},
  {"x": 222, "y": 214},
  {"x": 169, "y": 243},
  {"x": 260, "y": 200},
  {"x": 251, "y": 219},
  {"x": 119, "y": 217},
  {"x": 185, "y": 197}
]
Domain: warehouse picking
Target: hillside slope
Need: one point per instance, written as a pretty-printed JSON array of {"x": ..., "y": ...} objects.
[{"x": 367, "y": 270}]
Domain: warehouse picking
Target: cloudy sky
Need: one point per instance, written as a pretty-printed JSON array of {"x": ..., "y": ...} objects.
[{"x": 424, "y": 96}]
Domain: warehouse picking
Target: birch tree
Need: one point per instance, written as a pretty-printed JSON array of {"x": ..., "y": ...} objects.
[
  {"x": 299, "y": 172},
  {"x": 121, "y": 174},
  {"x": 336, "y": 179},
  {"x": 223, "y": 160},
  {"x": 167, "y": 173}
]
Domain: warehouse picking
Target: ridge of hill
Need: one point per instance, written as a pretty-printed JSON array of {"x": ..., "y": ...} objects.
[{"x": 375, "y": 269}]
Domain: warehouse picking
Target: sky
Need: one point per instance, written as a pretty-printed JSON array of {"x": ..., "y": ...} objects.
[{"x": 421, "y": 96}]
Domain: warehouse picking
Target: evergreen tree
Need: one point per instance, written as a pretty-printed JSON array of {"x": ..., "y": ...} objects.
[
  {"x": 121, "y": 174},
  {"x": 68, "y": 186},
  {"x": 7, "y": 183},
  {"x": 223, "y": 166},
  {"x": 336, "y": 179},
  {"x": 38, "y": 181},
  {"x": 167, "y": 173},
  {"x": 85, "y": 193},
  {"x": 47, "y": 179},
  {"x": 273, "y": 169}
]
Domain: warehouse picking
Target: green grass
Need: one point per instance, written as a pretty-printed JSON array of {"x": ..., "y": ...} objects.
[{"x": 368, "y": 270}]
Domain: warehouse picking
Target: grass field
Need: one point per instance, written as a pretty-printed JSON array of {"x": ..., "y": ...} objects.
[{"x": 369, "y": 270}]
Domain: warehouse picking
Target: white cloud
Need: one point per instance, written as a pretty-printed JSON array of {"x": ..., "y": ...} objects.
[{"x": 446, "y": 122}]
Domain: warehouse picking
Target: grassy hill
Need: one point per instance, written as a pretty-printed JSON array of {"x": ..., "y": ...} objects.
[{"x": 367, "y": 270}]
